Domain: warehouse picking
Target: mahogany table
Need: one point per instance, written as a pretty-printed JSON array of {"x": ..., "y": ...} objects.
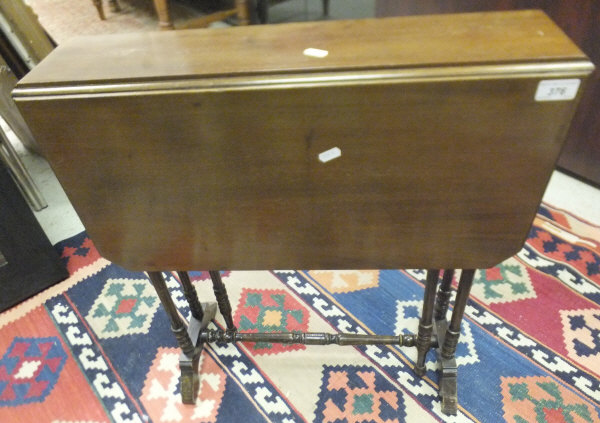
[{"x": 419, "y": 142}]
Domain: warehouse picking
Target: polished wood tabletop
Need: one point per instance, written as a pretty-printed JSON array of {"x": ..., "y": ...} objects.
[{"x": 391, "y": 143}]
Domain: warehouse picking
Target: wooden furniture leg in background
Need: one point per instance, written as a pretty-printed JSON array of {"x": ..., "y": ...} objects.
[
  {"x": 114, "y": 7},
  {"x": 99, "y": 8},
  {"x": 164, "y": 16},
  {"x": 243, "y": 12}
]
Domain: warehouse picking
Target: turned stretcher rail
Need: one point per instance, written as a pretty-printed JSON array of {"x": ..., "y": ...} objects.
[{"x": 310, "y": 338}]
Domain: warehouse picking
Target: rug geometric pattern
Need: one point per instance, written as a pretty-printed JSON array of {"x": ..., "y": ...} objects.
[
  {"x": 542, "y": 399},
  {"x": 338, "y": 281},
  {"x": 509, "y": 281},
  {"x": 124, "y": 307},
  {"x": 408, "y": 317},
  {"x": 30, "y": 369},
  {"x": 161, "y": 389},
  {"x": 581, "y": 330},
  {"x": 528, "y": 352},
  {"x": 270, "y": 311},
  {"x": 364, "y": 396}
]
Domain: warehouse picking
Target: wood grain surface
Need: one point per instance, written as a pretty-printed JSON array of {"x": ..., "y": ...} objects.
[
  {"x": 471, "y": 38},
  {"x": 443, "y": 159}
]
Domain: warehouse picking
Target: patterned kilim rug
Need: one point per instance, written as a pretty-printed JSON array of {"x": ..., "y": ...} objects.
[{"x": 97, "y": 347}]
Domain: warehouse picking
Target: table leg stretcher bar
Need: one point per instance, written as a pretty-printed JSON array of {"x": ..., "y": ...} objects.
[{"x": 432, "y": 333}]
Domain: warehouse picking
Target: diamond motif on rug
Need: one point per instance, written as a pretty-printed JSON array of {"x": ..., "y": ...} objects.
[
  {"x": 358, "y": 394},
  {"x": 30, "y": 369},
  {"x": 504, "y": 283},
  {"x": 581, "y": 331},
  {"x": 407, "y": 321},
  {"x": 541, "y": 399},
  {"x": 124, "y": 307},
  {"x": 161, "y": 394},
  {"x": 340, "y": 281},
  {"x": 270, "y": 310}
]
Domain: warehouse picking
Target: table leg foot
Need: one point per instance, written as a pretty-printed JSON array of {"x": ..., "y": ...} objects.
[
  {"x": 448, "y": 334},
  {"x": 188, "y": 337},
  {"x": 188, "y": 364},
  {"x": 448, "y": 378},
  {"x": 189, "y": 380}
]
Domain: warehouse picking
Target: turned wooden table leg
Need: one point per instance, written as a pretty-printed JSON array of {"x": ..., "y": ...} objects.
[
  {"x": 164, "y": 16},
  {"x": 243, "y": 11},
  {"x": 222, "y": 299},
  {"x": 448, "y": 335},
  {"x": 426, "y": 322},
  {"x": 190, "y": 295},
  {"x": 98, "y": 4},
  {"x": 443, "y": 295},
  {"x": 189, "y": 360}
]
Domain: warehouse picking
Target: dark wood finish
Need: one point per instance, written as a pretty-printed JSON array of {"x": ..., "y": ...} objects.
[
  {"x": 30, "y": 263},
  {"x": 309, "y": 338},
  {"x": 449, "y": 371},
  {"x": 580, "y": 21},
  {"x": 177, "y": 325},
  {"x": 443, "y": 295},
  {"x": 210, "y": 159},
  {"x": 190, "y": 295},
  {"x": 222, "y": 299},
  {"x": 100, "y": 9},
  {"x": 462, "y": 294},
  {"x": 426, "y": 322}
]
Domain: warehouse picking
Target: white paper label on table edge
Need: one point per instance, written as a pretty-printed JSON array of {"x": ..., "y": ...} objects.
[
  {"x": 557, "y": 89},
  {"x": 315, "y": 52},
  {"x": 328, "y": 155}
]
